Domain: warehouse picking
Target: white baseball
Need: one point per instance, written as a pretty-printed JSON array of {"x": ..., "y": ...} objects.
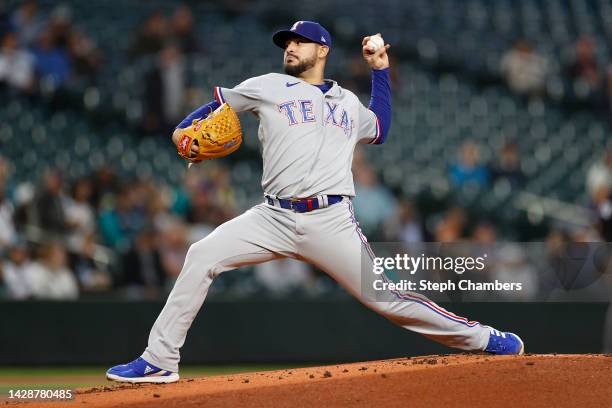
[{"x": 375, "y": 43}]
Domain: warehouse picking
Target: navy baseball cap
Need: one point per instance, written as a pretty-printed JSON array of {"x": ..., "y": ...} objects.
[{"x": 308, "y": 29}]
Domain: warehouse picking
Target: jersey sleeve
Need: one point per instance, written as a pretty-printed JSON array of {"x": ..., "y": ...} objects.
[
  {"x": 243, "y": 97},
  {"x": 368, "y": 128}
]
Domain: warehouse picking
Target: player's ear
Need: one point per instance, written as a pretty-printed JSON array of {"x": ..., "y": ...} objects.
[{"x": 323, "y": 51}]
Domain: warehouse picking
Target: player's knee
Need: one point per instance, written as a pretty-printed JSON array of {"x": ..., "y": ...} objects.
[
  {"x": 205, "y": 257},
  {"x": 193, "y": 251},
  {"x": 194, "y": 248},
  {"x": 200, "y": 253},
  {"x": 203, "y": 248}
]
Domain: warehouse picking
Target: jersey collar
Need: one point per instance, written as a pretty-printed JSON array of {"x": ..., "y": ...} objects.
[{"x": 334, "y": 90}]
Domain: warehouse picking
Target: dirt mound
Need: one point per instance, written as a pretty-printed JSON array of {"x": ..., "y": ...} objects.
[{"x": 431, "y": 381}]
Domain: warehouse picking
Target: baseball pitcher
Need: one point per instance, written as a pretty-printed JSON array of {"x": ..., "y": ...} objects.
[{"x": 309, "y": 127}]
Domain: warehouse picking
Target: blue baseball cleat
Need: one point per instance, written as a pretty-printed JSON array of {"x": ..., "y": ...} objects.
[
  {"x": 505, "y": 343},
  {"x": 140, "y": 371}
]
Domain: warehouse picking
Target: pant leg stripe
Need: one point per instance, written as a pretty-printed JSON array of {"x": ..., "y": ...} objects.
[
  {"x": 359, "y": 232},
  {"x": 428, "y": 303},
  {"x": 405, "y": 296}
]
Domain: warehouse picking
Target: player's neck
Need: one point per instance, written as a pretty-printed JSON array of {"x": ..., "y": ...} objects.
[{"x": 312, "y": 76}]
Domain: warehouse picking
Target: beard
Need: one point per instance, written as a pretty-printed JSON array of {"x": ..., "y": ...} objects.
[{"x": 303, "y": 65}]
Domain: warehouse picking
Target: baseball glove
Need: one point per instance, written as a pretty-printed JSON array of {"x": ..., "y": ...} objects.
[{"x": 217, "y": 135}]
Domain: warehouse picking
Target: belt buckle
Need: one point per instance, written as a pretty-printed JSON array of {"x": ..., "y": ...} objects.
[{"x": 293, "y": 201}]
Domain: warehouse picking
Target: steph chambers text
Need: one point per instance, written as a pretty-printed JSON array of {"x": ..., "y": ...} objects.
[{"x": 464, "y": 284}]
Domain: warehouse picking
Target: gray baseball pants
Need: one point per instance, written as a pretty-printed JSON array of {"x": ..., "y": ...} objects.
[{"x": 328, "y": 238}]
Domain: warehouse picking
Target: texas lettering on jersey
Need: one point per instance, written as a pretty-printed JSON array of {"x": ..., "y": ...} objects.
[
  {"x": 301, "y": 112},
  {"x": 307, "y": 137}
]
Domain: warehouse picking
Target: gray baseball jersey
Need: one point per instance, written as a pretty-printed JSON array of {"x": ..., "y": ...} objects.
[
  {"x": 308, "y": 137},
  {"x": 308, "y": 140}
]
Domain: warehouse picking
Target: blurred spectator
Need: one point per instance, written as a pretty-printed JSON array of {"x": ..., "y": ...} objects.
[
  {"x": 142, "y": 191},
  {"x": 525, "y": 71},
  {"x": 452, "y": 226},
  {"x": 600, "y": 173},
  {"x": 211, "y": 201},
  {"x": 180, "y": 200},
  {"x": 587, "y": 234},
  {"x": 360, "y": 77},
  {"x": 4, "y": 170},
  {"x": 80, "y": 215},
  {"x": 86, "y": 57},
  {"x": 143, "y": 274},
  {"x": 17, "y": 196},
  {"x": 584, "y": 71},
  {"x": 17, "y": 270},
  {"x": 92, "y": 277},
  {"x": 8, "y": 233},
  {"x": 60, "y": 25},
  {"x": 150, "y": 36},
  {"x": 553, "y": 269},
  {"x": 105, "y": 187},
  {"x": 284, "y": 276},
  {"x": 26, "y": 21},
  {"x": 16, "y": 65},
  {"x": 190, "y": 201},
  {"x": 201, "y": 209},
  {"x": 183, "y": 33},
  {"x": 225, "y": 194},
  {"x": 481, "y": 243},
  {"x": 152, "y": 202},
  {"x": 173, "y": 249},
  {"x": 511, "y": 265},
  {"x": 166, "y": 91},
  {"x": 50, "y": 205},
  {"x": 508, "y": 165},
  {"x": 52, "y": 62},
  {"x": 602, "y": 200},
  {"x": 405, "y": 225},
  {"x": 469, "y": 170},
  {"x": 50, "y": 277},
  {"x": 373, "y": 202},
  {"x": 158, "y": 205},
  {"x": 608, "y": 94},
  {"x": 120, "y": 224},
  {"x": 484, "y": 233},
  {"x": 25, "y": 210}
]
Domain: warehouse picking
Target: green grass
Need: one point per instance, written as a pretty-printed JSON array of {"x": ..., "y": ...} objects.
[
  {"x": 91, "y": 376},
  {"x": 30, "y": 377},
  {"x": 94, "y": 370}
]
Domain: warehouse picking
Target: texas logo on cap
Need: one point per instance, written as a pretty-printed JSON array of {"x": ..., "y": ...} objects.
[{"x": 311, "y": 30}]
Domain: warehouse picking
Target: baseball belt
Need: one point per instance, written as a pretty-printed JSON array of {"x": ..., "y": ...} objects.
[{"x": 302, "y": 205}]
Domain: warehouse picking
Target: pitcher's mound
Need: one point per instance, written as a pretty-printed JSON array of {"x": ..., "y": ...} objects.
[{"x": 431, "y": 381}]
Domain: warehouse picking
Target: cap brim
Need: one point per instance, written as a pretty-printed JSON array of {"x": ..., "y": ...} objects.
[{"x": 280, "y": 38}]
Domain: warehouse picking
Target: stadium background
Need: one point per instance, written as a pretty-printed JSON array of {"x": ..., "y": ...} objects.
[{"x": 501, "y": 132}]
